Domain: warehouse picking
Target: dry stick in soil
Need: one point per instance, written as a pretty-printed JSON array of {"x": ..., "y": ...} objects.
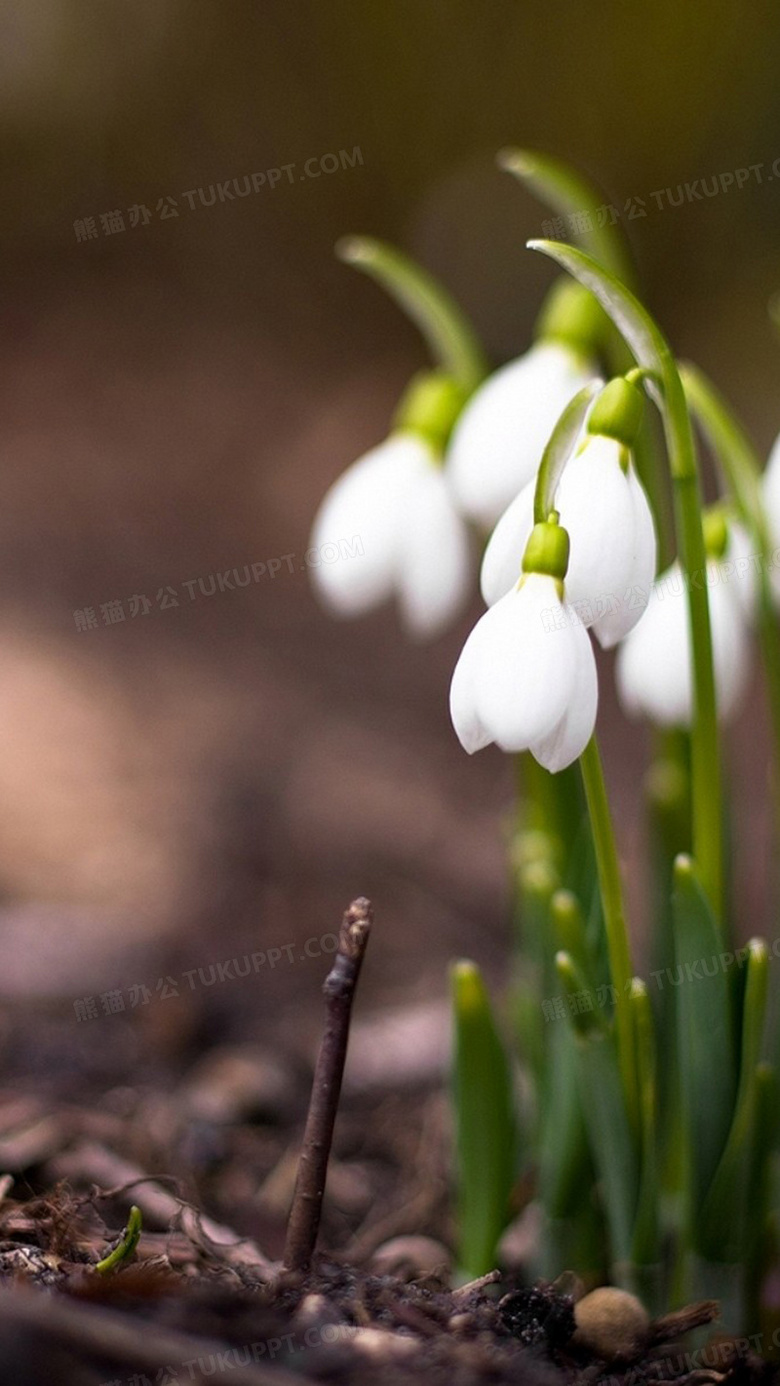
[{"x": 340, "y": 986}]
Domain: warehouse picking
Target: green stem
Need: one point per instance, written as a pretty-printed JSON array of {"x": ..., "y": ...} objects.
[
  {"x": 614, "y": 918},
  {"x": 651, "y": 350},
  {"x": 451, "y": 339},
  {"x": 127, "y": 1245},
  {"x": 741, "y": 469},
  {"x": 559, "y": 449},
  {"x": 566, "y": 192}
]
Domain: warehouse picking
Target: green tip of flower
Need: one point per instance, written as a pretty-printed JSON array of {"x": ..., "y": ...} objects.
[
  {"x": 547, "y": 550},
  {"x": 430, "y": 406},
  {"x": 570, "y": 314},
  {"x": 618, "y": 412}
]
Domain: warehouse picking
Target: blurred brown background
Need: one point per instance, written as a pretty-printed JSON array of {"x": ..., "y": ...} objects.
[{"x": 176, "y": 395}]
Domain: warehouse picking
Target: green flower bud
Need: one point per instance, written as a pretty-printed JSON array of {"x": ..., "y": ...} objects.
[
  {"x": 618, "y": 411},
  {"x": 572, "y": 315},
  {"x": 547, "y": 550},
  {"x": 430, "y": 406}
]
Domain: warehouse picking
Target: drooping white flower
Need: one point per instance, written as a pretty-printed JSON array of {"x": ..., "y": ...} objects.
[
  {"x": 526, "y": 677},
  {"x": 771, "y": 489},
  {"x": 412, "y": 542},
  {"x": 603, "y": 506},
  {"x": 498, "y": 441},
  {"x": 654, "y": 669}
]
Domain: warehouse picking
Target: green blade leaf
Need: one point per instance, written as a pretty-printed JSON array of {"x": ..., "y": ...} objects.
[
  {"x": 646, "y": 1249},
  {"x": 725, "y": 1232},
  {"x": 565, "y": 191},
  {"x": 705, "y": 1039},
  {"x": 484, "y": 1122},
  {"x": 606, "y": 1120},
  {"x": 562, "y": 1142}
]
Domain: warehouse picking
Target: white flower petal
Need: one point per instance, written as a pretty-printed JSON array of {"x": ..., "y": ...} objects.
[
  {"x": 741, "y": 567},
  {"x": 771, "y": 489},
  {"x": 628, "y": 608},
  {"x": 498, "y": 442},
  {"x": 568, "y": 741},
  {"x": 470, "y": 730},
  {"x": 526, "y": 671},
  {"x": 366, "y": 501},
  {"x": 654, "y": 667},
  {"x": 503, "y": 558},
  {"x": 597, "y": 509},
  {"x": 434, "y": 559}
]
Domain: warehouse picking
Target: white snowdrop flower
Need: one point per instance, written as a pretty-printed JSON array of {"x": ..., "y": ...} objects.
[
  {"x": 526, "y": 678},
  {"x": 393, "y": 508},
  {"x": 654, "y": 669},
  {"x": 498, "y": 441},
  {"x": 740, "y": 566},
  {"x": 771, "y": 489},
  {"x": 604, "y": 509}
]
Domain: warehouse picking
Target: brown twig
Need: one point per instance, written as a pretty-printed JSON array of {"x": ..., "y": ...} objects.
[{"x": 339, "y": 989}]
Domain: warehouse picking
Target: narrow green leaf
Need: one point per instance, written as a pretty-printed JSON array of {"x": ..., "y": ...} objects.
[
  {"x": 563, "y": 1150},
  {"x": 606, "y": 1121},
  {"x": 646, "y": 1250},
  {"x": 484, "y": 1122},
  {"x": 724, "y": 1230},
  {"x": 705, "y": 1038},
  {"x": 570, "y": 935}
]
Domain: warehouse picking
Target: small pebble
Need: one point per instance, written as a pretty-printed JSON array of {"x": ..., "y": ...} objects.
[
  {"x": 411, "y": 1258},
  {"x": 611, "y": 1322},
  {"x": 380, "y": 1344}
]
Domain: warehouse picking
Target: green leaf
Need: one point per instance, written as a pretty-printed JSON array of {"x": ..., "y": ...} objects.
[
  {"x": 725, "y": 1224},
  {"x": 606, "y": 1121},
  {"x": 484, "y": 1122},
  {"x": 705, "y": 1039},
  {"x": 563, "y": 1150},
  {"x": 646, "y": 1249},
  {"x": 570, "y": 934},
  {"x": 565, "y": 191}
]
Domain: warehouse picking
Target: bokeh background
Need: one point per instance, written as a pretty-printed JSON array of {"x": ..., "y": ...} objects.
[{"x": 176, "y": 395}]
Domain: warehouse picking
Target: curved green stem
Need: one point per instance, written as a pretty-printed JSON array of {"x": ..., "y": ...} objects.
[
  {"x": 618, "y": 947},
  {"x": 559, "y": 449},
  {"x": 741, "y": 469},
  {"x": 566, "y": 192},
  {"x": 651, "y": 351},
  {"x": 450, "y": 337},
  {"x": 127, "y": 1245}
]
